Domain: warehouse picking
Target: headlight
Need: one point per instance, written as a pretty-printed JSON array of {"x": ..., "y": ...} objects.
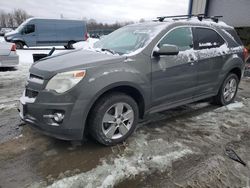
[{"x": 64, "y": 81}]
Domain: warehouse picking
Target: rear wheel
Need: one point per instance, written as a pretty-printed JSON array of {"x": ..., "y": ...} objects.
[
  {"x": 228, "y": 90},
  {"x": 70, "y": 45},
  {"x": 113, "y": 118},
  {"x": 19, "y": 45}
]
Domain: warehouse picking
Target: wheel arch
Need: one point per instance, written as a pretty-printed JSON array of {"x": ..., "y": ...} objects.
[
  {"x": 237, "y": 71},
  {"x": 125, "y": 88},
  {"x": 19, "y": 40}
]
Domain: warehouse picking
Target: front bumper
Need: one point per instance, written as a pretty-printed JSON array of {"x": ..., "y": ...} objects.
[
  {"x": 72, "y": 127},
  {"x": 11, "y": 60}
]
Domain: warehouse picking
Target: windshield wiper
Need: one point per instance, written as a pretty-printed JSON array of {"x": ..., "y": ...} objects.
[{"x": 109, "y": 50}]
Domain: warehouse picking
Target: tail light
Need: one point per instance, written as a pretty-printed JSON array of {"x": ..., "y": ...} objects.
[
  {"x": 86, "y": 36},
  {"x": 13, "y": 48},
  {"x": 245, "y": 53}
]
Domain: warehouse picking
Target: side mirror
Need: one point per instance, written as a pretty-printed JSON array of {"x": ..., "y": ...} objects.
[{"x": 166, "y": 49}]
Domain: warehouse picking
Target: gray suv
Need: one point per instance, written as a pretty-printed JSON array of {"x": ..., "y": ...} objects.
[{"x": 136, "y": 70}]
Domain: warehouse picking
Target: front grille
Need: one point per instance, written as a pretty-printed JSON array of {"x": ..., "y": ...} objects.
[{"x": 30, "y": 93}]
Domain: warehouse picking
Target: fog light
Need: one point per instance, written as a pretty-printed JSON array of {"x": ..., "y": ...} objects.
[
  {"x": 58, "y": 117},
  {"x": 54, "y": 119}
]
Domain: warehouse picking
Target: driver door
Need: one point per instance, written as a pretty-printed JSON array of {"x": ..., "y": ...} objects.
[
  {"x": 174, "y": 77},
  {"x": 29, "y": 34}
]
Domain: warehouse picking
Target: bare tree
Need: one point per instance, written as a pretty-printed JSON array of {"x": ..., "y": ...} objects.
[
  {"x": 20, "y": 16},
  {"x": 10, "y": 20},
  {"x": 13, "y": 19},
  {"x": 3, "y": 19}
]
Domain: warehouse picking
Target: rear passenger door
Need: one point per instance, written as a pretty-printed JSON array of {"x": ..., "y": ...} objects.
[{"x": 211, "y": 49}]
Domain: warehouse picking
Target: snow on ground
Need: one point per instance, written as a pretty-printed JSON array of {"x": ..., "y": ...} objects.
[
  {"x": 25, "y": 55},
  {"x": 141, "y": 156},
  {"x": 145, "y": 155},
  {"x": 235, "y": 105}
]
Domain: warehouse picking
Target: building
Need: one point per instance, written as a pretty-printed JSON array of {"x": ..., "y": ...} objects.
[{"x": 234, "y": 12}]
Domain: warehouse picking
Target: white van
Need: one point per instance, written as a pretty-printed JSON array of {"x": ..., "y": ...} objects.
[{"x": 48, "y": 32}]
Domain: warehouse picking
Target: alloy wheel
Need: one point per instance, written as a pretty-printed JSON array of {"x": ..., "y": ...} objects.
[
  {"x": 117, "y": 120},
  {"x": 230, "y": 89}
]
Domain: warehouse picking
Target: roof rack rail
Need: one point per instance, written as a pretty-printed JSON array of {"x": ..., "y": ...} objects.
[{"x": 199, "y": 17}]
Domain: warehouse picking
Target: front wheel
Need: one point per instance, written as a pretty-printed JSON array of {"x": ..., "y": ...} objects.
[
  {"x": 113, "y": 118},
  {"x": 19, "y": 45},
  {"x": 228, "y": 90},
  {"x": 70, "y": 45}
]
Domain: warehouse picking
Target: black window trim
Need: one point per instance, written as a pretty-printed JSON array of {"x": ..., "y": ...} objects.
[
  {"x": 32, "y": 25},
  {"x": 192, "y": 47},
  {"x": 196, "y": 46},
  {"x": 189, "y": 26}
]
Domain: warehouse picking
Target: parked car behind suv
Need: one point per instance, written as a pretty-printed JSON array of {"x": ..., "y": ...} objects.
[
  {"x": 8, "y": 55},
  {"x": 136, "y": 70},
  {"x": 4, "y": 30}
]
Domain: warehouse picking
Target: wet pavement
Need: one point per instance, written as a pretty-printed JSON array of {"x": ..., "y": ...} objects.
[{"x": 182, "y": 147}]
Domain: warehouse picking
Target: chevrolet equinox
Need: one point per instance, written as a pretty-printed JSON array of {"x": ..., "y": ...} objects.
[{"x": 136, "y": 70}]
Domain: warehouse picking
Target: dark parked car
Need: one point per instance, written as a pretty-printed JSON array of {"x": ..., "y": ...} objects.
[
  {"x": 4, "y": 30},
  {"x": 8, "y": 55},
  {"x": 136, "y": 70}
]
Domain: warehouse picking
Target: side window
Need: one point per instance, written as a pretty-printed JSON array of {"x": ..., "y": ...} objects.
[
  {"x": 181, "y": 37},
  {"x": 208, "y": 38},
  {"x": 29, "y": 29}
]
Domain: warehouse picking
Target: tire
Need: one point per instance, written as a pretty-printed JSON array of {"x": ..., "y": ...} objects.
[
  {"x": 107, "y": 125},
  {"x": 19, "y": 45},
  {"x": 221, "y": 98},
  {"x": 70, "y": 45}
]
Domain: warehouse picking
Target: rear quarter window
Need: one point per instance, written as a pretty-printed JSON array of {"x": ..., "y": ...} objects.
[
  {"x": 233, "y": 34},
  {"x": 207, "y": 38}
]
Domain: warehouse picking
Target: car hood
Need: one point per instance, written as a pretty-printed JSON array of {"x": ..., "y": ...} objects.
[
  {"x": 73, "y": 60},
  {"x": 10, "y": 33}
]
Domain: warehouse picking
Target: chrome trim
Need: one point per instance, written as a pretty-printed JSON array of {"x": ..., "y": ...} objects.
[{"x": 36, "y": 80}]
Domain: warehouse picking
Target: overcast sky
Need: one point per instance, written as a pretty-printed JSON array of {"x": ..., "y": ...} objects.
[{"x": 102, "y": 10}]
